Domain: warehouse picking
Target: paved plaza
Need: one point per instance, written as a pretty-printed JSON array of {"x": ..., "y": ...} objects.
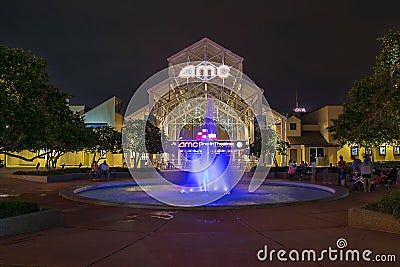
[{"x": 114, "y": 236}]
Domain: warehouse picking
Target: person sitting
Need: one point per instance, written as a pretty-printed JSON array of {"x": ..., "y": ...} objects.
[
  {"x": 302, "y": 169},
  {"x": 380, "y": 179},
  {"x": 104, "y": 169},
  {"x": 358, "y": 183},
  {"x": 169, "y": 165},
  {"x": 95, "y": 170}
]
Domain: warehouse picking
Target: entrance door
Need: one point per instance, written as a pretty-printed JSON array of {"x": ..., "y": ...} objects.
[
  {"x": 313, "y": 154},
  {"x": 293, "y": 154}
]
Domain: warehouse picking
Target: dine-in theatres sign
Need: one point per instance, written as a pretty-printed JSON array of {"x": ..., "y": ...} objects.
[
  {"x": 187, "y": 144},
  {"x": 205, "y": 71}
]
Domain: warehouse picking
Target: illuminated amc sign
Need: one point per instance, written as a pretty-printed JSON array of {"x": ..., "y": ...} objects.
[
  {"x": 198, "y": 144},
  {"x": 204, "y": 71},
  {"x": 300, "y": 110}
]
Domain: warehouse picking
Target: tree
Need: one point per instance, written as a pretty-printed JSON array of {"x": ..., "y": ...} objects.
[
  {"x": 33, "y": 114},
  {"x": 142, "y": 137},
  {"x": 371, "y": 116},
  {"x": 271, "y": 142},
  {"x": 67, "y": 134},
  {"x": 103, "y": 140}
]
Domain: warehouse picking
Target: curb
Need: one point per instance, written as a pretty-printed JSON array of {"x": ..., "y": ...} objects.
[{"x": 31, "y": 222}]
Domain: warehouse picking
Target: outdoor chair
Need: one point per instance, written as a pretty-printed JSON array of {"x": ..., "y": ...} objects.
[{"x": 391, "y": 180}]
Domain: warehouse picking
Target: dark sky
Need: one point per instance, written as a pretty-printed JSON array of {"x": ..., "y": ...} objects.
[{"x": 97, "y": 49}]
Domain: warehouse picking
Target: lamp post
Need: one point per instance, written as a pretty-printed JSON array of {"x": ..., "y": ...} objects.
[{"x": 5, "y": 152}]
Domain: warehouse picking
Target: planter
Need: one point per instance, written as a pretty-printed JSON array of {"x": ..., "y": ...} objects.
[
  {"x": 373, "y": 220},
  {"x": 35, "y": 221},
  {"x": 50, "y": 178},
  {"x": 64, "y": 177}
]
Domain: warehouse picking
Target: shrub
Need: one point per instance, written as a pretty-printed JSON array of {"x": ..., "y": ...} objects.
[
  {"x": 53, "y": 172},
  {"x": 147, "y": 169},
  {"x": 10, "y": 208},
  {"x": 389, "y": 204}
]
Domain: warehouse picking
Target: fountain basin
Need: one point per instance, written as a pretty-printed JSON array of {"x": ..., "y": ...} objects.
[{"x": 270, "y": 194}]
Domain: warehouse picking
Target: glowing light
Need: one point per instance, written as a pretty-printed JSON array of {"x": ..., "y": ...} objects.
[
  {"x": 223, "y": 71},
  {"x": 300, "y": 110},
  {"x": 204, "y": 71}
]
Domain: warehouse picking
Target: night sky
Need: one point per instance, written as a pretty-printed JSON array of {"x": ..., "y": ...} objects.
[{"x": 97, "y": 49}]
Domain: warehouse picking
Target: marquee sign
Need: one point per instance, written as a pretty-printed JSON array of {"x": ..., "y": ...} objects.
[
  {"x": 204, "y": 71},
  {"x": 183, "y": 144}
]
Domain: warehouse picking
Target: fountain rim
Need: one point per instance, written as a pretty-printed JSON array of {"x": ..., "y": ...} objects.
[{"x": 71, "y": 193}]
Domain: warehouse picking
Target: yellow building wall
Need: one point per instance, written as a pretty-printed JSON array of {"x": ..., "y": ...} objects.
[
  {"x": 15, "y": 162},
  {"x": 70, "y": 160},
  {"x": 296, "y": 132},
  {"x": 118, "y": 120},
  {"x": 345, "y": 151},
  {"x": 331, "y": 153}
]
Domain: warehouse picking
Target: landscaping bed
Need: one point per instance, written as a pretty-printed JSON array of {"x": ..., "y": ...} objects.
[
  {"x": 382, "y": 215},
  {"x": 19, "y": 216},
  {"x": 63, "y": 175}
]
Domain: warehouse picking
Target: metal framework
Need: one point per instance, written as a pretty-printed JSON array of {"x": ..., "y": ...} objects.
[{"x": 242, "y": 100}]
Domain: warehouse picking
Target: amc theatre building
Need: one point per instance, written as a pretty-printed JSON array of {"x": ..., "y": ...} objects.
[{"x": 205, "y": 85}]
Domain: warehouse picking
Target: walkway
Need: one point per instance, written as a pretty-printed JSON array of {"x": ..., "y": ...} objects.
[{"x": 112, "y": 236}]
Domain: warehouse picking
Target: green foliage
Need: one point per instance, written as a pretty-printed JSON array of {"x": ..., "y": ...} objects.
[
  {"x": 133, "y": 132},
  {"x": 371, "y": 116},
  {"x": 142, "y": 137},
  {"x": 281, "y": 146},
  {"x": 10, "y": 208},
  {"x": 388, "y": 61},
  {"x": 145, "y": 169},
  {"x": 270, "y": 142},
  {"x": 34, "y": 114},
  {"x": 103, "y": 140},
  {"x": 389, "y": 204},
  {"x": 270, "y": 169},
  {"x": 53, "y": 172}
]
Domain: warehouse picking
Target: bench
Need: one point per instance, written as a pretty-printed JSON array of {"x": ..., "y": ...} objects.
[{"x": 93, "y": 175}]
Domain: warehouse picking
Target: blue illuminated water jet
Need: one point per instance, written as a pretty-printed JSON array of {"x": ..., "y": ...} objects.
[{"x": 207, "y": 169}]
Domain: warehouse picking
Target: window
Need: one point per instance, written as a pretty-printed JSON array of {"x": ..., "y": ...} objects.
[
  {"x": 118, "y": 106},
  {"x": 396, "y": 150},
  {"x": 382, "y": 150},
  {"x": 320, "y": 152},
  {"x": 354, "y": 151},
  {"x": 316, "y": 152},
  {"x": 292, "y": 126},
  {"x": 368, "y": 151}
]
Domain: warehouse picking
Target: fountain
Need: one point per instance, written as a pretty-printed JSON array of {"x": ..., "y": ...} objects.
[
  {"x": 212, "y": 174},
  {"x": 207, "y": 165},
  {"x": 209, "y": 180}
]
